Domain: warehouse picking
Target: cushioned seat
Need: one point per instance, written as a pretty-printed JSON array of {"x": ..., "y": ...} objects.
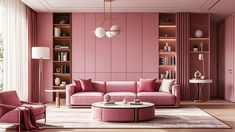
[
  {"x": 86, "y": 98},
  {"x": 37, "y": 109},
  {"x": 119, "y": 96},
  {"x": 158, "y": 98}
]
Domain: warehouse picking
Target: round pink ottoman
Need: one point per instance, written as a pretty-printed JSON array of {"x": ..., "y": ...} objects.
[{"x": 120, "y": 112}]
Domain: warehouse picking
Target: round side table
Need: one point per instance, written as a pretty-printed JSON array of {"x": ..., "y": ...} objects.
[
  {"x": 57, "y": 98},
  {"x": 200, "y": 83}
]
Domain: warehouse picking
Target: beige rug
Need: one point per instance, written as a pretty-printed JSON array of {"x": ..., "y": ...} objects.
[{"x": 187, "y": 117}]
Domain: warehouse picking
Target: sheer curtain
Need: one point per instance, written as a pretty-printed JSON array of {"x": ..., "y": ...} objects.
[{"x": 15, "y": 41}]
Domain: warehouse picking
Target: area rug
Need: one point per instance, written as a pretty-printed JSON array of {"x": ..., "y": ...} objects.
[{"x": 186, "y": 117}]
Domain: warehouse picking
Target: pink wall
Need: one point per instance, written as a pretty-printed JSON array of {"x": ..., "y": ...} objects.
[
  {"x": 129, "y": 56},
  {"x": 44, "y": 39}
]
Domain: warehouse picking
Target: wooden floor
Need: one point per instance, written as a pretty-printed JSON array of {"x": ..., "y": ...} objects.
[{"x": 221, "y": 109}]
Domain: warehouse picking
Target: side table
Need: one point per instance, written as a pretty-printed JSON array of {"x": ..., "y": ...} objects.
[
  {"x": 200, "y": 83},
  {"x": 57, "y": 91}
]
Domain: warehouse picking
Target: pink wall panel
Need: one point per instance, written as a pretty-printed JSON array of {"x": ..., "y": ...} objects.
[
  {"x": 118, "y": 76},
  {"x": 150, "y": 45},
  {"x": 78, "y": 75},
  {"x": 89, "y": 42},
  {"x": 134, "y": 42},
  {"x": 118, "y": 44},
  {"x": 90, "y": 75},
  {"x": 149, "y": 75},
  {"x": 102, "y": 76},
  {"x": 103, "y": 54},
  {"x": 133, "y": 76},
  {"x": 78, "y": 42},
  {"x": 124, "y": 57},
  {"x": 44, "y": 38}
]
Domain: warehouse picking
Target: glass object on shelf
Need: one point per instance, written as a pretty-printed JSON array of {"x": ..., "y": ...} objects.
[{"x": 57, "y": 81}]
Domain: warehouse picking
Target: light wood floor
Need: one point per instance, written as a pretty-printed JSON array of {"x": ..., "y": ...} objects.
[{"x": 221, "y": 109}]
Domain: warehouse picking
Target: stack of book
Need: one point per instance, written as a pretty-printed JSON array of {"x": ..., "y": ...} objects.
[{"x": 167, "y": 60}]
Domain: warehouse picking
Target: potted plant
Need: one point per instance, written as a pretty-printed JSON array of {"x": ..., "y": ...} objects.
[{"x": 195, "y": 47}]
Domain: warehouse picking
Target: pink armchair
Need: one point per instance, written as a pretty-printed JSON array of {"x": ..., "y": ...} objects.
[{"x": 10, "y": 108}]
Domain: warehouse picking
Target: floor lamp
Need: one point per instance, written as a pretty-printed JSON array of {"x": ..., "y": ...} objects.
[{"x": 40, "y": 53}]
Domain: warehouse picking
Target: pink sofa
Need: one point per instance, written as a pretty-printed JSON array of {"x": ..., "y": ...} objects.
[{"x": 118, "y": 90}]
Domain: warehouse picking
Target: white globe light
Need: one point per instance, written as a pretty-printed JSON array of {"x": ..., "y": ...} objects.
[
  {"x": 109, "y": 34},
  {"x": 99, "y": 32},
  {"x": 115, "y": 30}
]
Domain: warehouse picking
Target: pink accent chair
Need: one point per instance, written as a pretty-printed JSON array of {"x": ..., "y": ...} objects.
[{"x": 10, "y": 108}]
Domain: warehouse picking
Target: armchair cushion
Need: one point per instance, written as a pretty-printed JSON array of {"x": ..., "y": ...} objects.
[{"x": 8, "y": 98}]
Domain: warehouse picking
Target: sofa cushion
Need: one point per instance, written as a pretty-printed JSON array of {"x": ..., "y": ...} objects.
[
  {"x": 86, "y": 85},
  {"x": 166, "y": 85},
  {"x": 119, "y": 96},
  {"x": 146, "y": 85},
  {"x": 86, "y": 98},
  {"x": 121, "y": 86},
  {"x": 157, "y": 86},
  {"x": 99, "y": 86},
  {"x": 78, "y": 87},
  {"x": 158, "y": 98}
]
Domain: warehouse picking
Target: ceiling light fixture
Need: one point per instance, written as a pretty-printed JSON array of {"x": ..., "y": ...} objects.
[{"x": 113, "y": 31}]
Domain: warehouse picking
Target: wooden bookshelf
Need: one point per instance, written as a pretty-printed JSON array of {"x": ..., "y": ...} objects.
[
  {"x": 62, "y": 49},
  {"x": 167, "y": 45}
]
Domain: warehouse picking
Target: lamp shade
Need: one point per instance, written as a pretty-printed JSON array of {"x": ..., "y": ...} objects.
[
  {"x": 115, "y": 30},
  {"x": 99, "y": 32},
  {"x": 40, "y": 53}
]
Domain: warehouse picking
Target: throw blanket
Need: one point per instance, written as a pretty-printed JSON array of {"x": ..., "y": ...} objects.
[{"x": 27, "y": 119}]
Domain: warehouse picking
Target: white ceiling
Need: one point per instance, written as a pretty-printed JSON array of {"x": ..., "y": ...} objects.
[{"x": 220, "y": 8}]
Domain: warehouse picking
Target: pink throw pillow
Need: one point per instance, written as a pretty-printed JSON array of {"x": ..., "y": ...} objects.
[
  {"x": 86, "y": 85},
  {"x": 146, "y": 85},
  {"x": 78, "y": 85}
]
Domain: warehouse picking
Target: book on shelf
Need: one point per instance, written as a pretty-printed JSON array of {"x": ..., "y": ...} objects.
[
  {"x": 61, "y": 47},
  {"x": 167, "y": 60},
  {"x": 169, "y": 74}
]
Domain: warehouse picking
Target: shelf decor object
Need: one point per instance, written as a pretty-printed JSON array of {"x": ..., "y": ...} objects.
[
  {"x": 100, "y": 31},
  {"x": 40, "y": 53},
  {"x": 201, "y": 58}
]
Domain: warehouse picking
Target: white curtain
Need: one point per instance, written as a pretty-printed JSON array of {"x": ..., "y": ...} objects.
[{"x": 15, "y": 41}]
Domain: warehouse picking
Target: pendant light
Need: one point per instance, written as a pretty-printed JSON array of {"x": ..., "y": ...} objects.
[{"x": 100, "y": 31}]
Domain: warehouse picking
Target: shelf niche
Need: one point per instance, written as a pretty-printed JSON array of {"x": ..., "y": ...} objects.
[{"x": 167, "y": 45}]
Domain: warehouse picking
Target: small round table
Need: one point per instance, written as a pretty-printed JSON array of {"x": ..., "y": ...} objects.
[
  {"x": 120, "y": 112},
  {"x": 200, "y": 83},
  {"x": 57, "y": 98}
]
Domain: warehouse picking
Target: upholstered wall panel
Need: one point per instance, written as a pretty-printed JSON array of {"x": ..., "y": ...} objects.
[
  {"x": 182, "y": 55},
  {"x": 129, "y": 56},
  {"x": 78, "y": 52}
]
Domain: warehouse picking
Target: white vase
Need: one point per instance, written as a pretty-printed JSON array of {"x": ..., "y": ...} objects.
[
  {"x": 198, "y": 33},
  {"x": 57, "y": 81},
  {"x": 57, "y": 32}
]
